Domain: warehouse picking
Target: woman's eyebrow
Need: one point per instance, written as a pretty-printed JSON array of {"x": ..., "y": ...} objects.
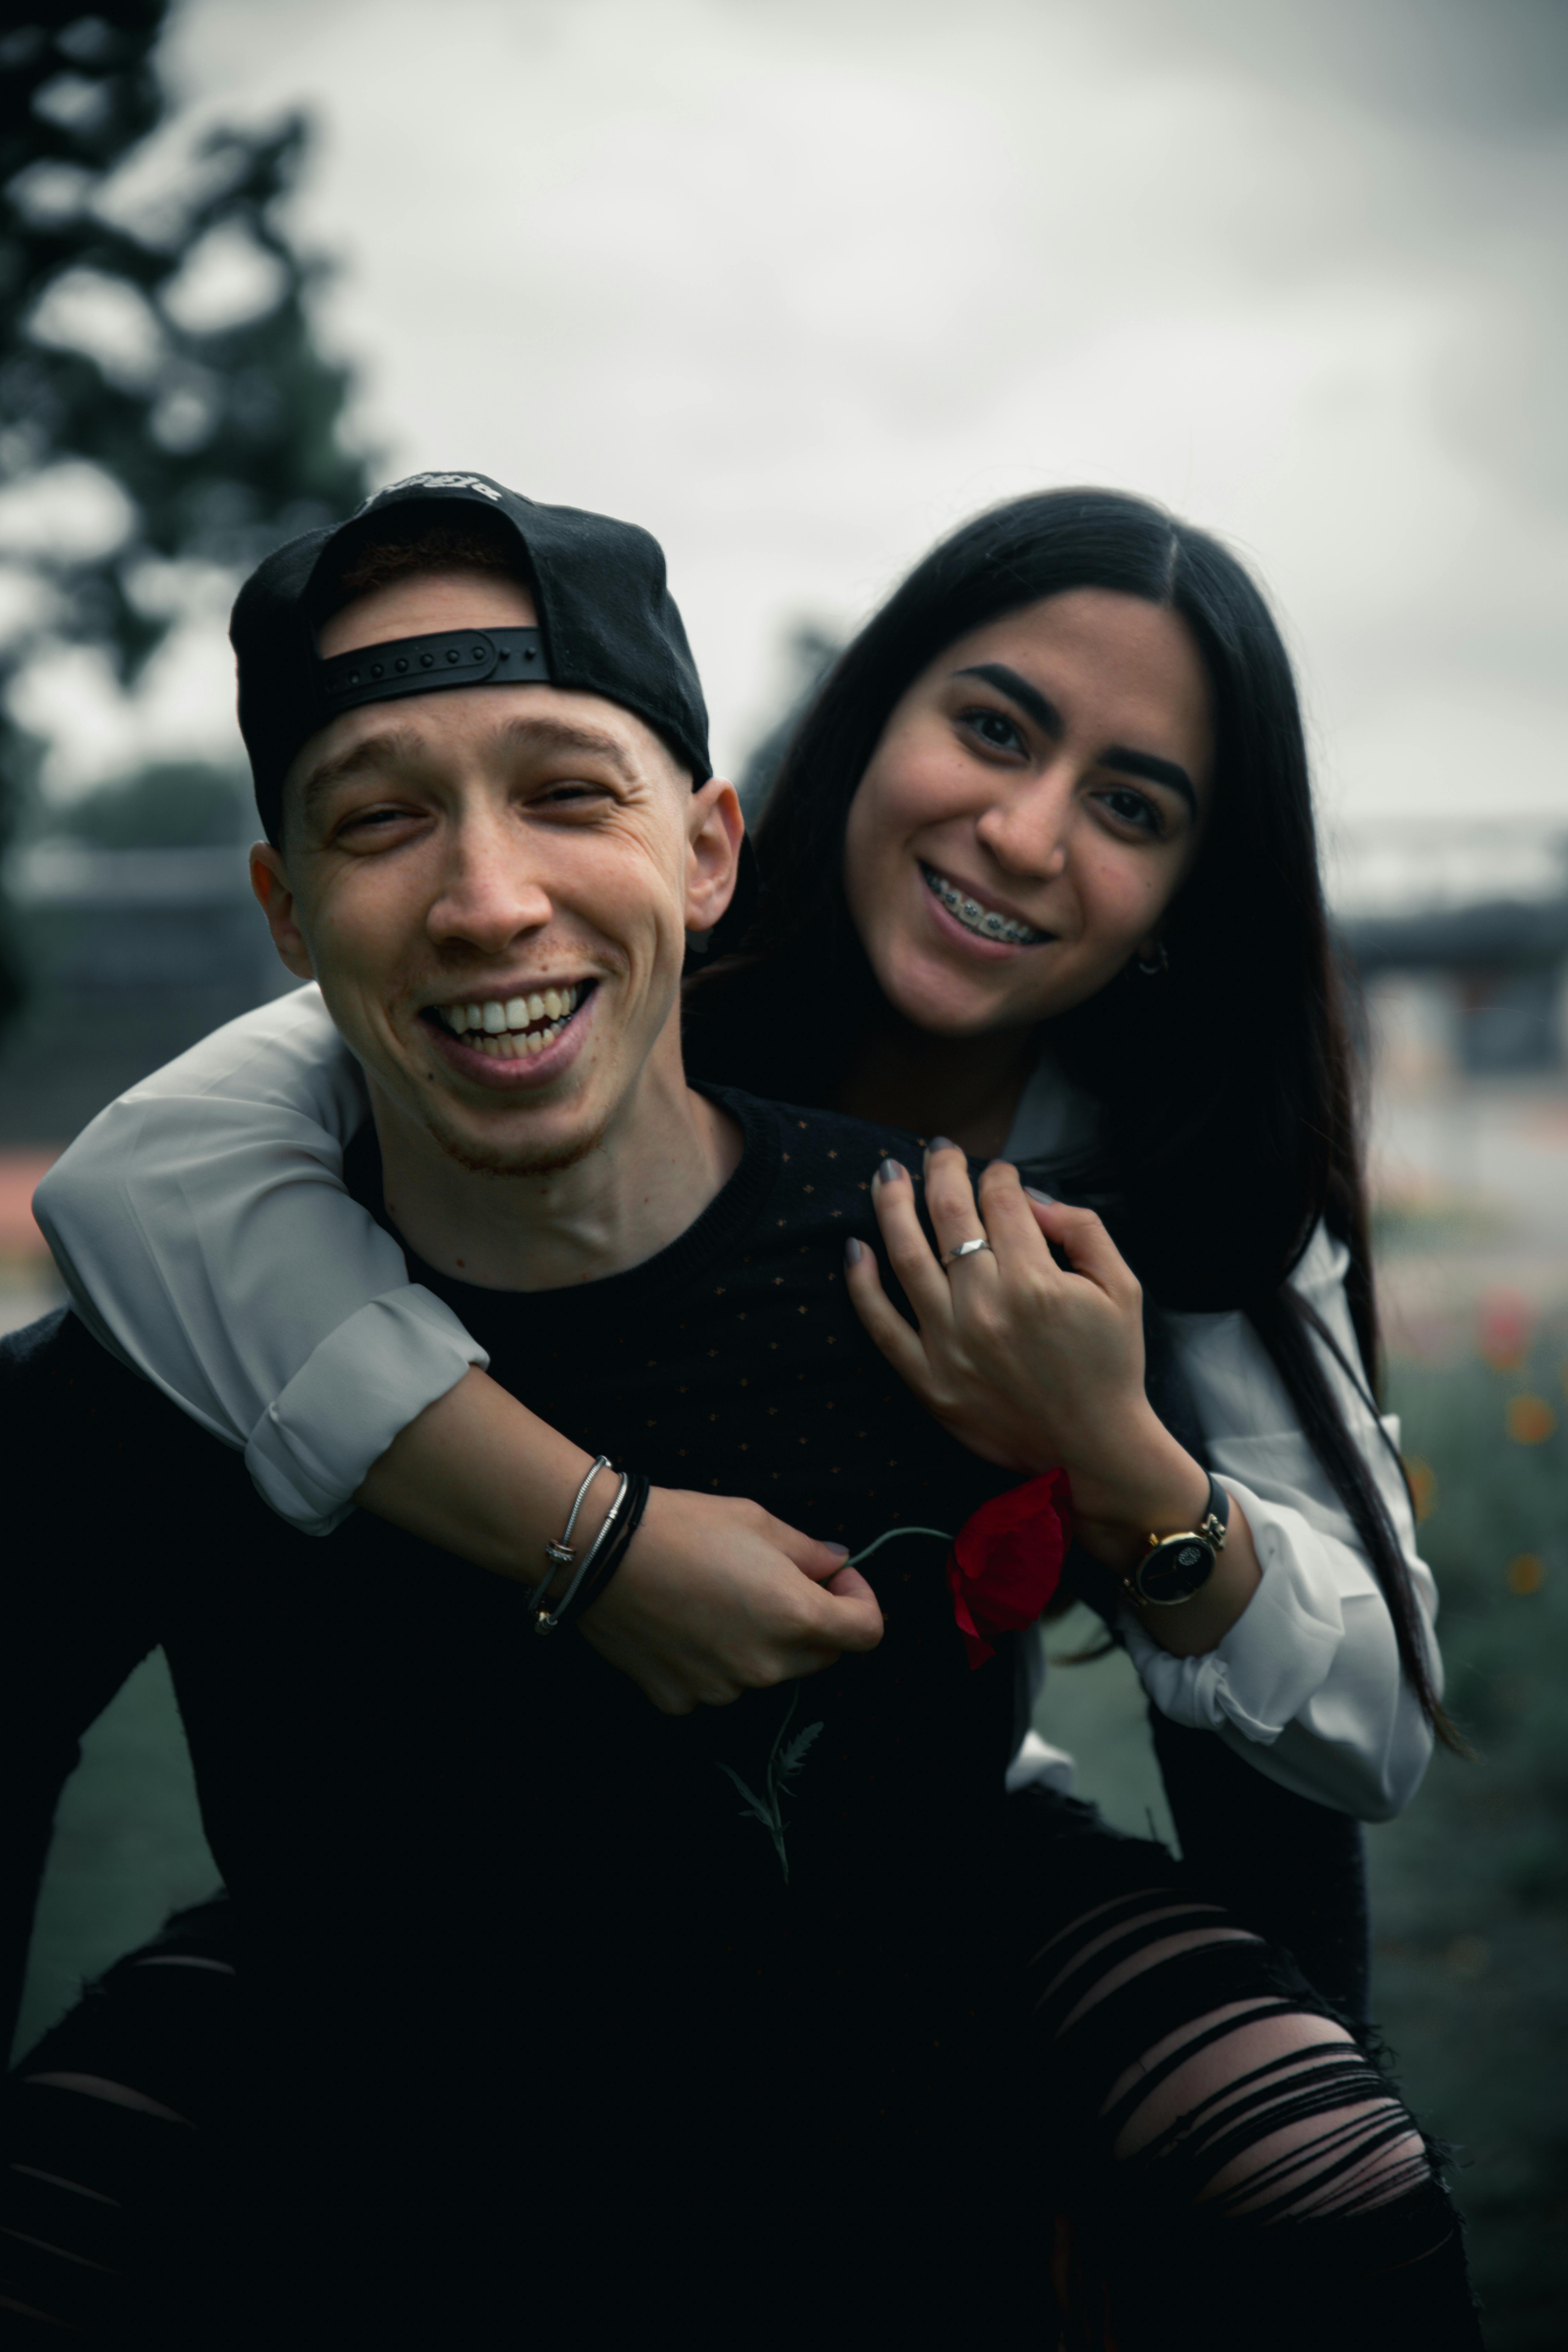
[
  {"x": 1017, "y": 689},
  {"x": 1047, "y": 717},
  {"x": 1154, "y": 771}
]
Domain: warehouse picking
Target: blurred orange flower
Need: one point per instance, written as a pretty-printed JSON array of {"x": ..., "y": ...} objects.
[
  {"x": 1505, "y": 1330},
  {"x": 1423, "y": 1485},
  {"x": 1529, "y": 1419},
  {"x": 1527, "y": 1573}
]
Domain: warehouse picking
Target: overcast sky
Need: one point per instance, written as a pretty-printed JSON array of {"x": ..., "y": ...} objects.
[{"x": 801, "y": 283}]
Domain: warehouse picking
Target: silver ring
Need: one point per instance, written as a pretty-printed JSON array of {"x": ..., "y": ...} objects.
[{"x": 967, "y": 1249}]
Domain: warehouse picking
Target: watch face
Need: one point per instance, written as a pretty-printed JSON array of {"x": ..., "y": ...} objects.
[{"x": 1176, "y": 1570}]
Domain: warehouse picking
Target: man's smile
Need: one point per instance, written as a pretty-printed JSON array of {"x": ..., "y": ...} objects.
[{"x": 519, "y": 1039}]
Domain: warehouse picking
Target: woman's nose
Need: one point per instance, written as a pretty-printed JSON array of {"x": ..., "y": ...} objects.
[{"x": 1028, "y": 830}]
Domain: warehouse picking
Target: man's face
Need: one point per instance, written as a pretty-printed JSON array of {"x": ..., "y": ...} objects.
[{"x": 493, "y": 887}]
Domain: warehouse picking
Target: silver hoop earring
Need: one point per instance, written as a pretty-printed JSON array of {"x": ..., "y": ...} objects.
[{"x": 1157, "y": 967}]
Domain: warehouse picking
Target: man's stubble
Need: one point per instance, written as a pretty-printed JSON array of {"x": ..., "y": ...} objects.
[{"x": 522, "y": 1159}]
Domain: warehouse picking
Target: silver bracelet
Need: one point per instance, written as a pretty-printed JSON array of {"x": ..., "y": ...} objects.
[
  {"x": 545, "y": 1619},
  {"x": 560, "y": 1553}
]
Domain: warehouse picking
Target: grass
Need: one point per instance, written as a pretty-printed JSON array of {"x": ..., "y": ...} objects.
[
  {"x": 128, "y": 1848},
  {"x": 1470, "y": 1888}
]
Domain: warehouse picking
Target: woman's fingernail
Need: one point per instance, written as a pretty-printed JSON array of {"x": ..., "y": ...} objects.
[
  {"x": 842, "y": 1549},
  {"x": 852, "y": 1252},
  {"x": 941, "y": 1143},
  {"x": 888, "y": 1172},
  {"x": 1046, "y": 1200}
]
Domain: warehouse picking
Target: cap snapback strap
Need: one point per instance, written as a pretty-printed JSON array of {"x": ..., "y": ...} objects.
[{"x": 422, "y": 665}]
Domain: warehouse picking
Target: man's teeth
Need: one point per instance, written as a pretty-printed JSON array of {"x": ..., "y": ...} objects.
[
  {"x": 511, "y": 1028},
  {"x": 983, "y": 920}
]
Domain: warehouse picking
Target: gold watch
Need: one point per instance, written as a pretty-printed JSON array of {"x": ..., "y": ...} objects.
[{"x": 1176, "y": 1566}]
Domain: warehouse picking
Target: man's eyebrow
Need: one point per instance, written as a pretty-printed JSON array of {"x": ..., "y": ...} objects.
[
  {"x": 383, "y": 750},
  {"x": 390, "y": 745},
  {"x": 570, "y": 735},
  {"x": 1047, "y": 717}
]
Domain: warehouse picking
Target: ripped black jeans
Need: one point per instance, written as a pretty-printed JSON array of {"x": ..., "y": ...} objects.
[
  {"x": 1238, "y": 2168},
  {"x": 1221, "y": 2156}
]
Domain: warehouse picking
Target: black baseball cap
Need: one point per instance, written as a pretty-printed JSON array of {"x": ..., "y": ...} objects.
[{"x": 607, "y": 625}]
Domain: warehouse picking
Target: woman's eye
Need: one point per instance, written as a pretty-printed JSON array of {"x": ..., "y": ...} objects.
[
  {"x": 994, "y": 728},
  {"x": 1133, "y": 808}
]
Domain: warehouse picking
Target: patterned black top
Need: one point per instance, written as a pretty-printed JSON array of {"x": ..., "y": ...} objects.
[{"x": 481, "y": 1866}]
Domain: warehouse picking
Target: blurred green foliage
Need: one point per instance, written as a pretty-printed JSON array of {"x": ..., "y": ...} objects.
[
  {"x": 154, "y": 327},
  {"x": 1470, "y": 1888}
]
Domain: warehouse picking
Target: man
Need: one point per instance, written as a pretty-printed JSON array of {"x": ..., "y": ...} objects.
[{"x": 567, "y": 2012}]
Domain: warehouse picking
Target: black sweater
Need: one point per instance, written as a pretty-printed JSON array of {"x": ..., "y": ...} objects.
[{"x": 459, "y": 1852}]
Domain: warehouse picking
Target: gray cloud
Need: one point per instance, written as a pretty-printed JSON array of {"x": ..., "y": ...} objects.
[{"x": 801, "y": 282}]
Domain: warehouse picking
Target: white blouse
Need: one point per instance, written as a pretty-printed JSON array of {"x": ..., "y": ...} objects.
[
  {"x": 203, "y": 1229},
  {"x": 1307, "y": 1684}
]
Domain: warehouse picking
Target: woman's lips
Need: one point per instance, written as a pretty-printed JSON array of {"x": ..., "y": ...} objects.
[{"x": 977, "y": 942}]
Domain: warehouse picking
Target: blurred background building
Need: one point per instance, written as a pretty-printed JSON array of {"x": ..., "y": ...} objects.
[{"x": 801, "y": 283}]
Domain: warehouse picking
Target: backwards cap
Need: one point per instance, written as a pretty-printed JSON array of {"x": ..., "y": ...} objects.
[{"x": 607, "y": 625}]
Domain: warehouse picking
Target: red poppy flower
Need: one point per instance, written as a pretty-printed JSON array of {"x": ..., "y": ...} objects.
[{"x": 1007, "y": 1561}]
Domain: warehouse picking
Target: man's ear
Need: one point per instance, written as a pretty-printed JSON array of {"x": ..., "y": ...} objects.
[
  {"x": 716, "y": 831},
  {"x": 270, "y": 880}
]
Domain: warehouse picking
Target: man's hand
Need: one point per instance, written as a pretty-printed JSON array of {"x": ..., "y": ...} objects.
[{"x": 715, "y": 1597}]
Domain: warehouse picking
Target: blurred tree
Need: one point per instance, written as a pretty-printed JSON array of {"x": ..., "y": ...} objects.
[
  {"x": 156, "y": 340},
  {"x": 169, "y": 805},
  {"x": 811, "y": 653}
]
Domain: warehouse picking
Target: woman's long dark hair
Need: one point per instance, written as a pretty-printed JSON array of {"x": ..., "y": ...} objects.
[{"x": 1230, "y": 1113}]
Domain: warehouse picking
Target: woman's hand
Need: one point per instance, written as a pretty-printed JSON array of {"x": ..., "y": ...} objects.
[
  {"x": 1027, "y": 1364},
  {"x": 716, "y": 1596},
  {"x": 1030, "y": 1365}
]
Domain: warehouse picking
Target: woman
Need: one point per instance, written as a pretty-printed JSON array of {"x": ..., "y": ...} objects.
[{"x": 1039, "y": 871}]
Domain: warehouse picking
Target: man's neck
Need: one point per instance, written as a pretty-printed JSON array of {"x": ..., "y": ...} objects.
[{"x": 650, "y": 1176}]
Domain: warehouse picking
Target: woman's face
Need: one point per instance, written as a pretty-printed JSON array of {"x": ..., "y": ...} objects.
[{"x": 1036, "y": 801}]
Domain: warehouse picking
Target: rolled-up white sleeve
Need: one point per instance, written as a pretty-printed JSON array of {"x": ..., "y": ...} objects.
[
  {"x": 1307, "y": 1684},
  {"x": 202, "y": 1226}
]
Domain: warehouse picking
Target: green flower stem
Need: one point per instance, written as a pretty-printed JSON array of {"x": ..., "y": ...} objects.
[
  {"x": 878, "y": 1541},
  {"x": 783, "y": 1762}
]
